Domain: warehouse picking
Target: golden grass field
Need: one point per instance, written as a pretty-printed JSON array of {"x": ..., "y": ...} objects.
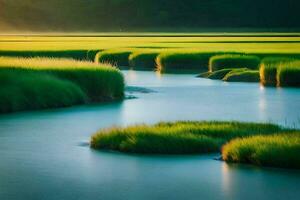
[{"x": 252, "y": 43}]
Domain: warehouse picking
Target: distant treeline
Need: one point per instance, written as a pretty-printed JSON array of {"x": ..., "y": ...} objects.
[{"x": 130, "y": 15}]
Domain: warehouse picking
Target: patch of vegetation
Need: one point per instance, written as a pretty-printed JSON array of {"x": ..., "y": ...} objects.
[
  {"x": 143, "y": 60},
  {"x": 178, "y": 137},
  {"x": 281, "y": 150},
  {"x": 268, "y": 69},
  {"x": 204, "y": 74},
  {"x": 88, "y": 55},
  {"x": 26, "y": 90},
  {"x": 183, "y": 60},
  {"x": 219, "y": 74},
  {"x": 280, "y": 71},
  {"x": 233, "y": 61},
  {"x": 288, "y": 74},
  {"x": 242, "y": 75},
  {"x": 26, "y": 82},
  {"x": 117, "y": 57}
]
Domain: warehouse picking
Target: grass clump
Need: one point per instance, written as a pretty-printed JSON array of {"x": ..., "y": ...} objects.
[
  {"x": 143, "y": 60},
  {"x": 288, "y": 74},
  {"x": 117, "y": 57},
  {"x": 47, "y": 82},
  {"x": 74, "y": 54},
  {"x": 233, "y": 61},
  {"x": 281, "y": 150},
  {"x": 280, "y": 71},
  {"x": 23, "y": 90},
  {"x": 219, "y": 74},
  {"x": 204, "y": 74},
  {"x": 242, "y": 75},
  {"x": 177, "y": 137},
  {"x": 169, "y": 61},
  {"x": 268, "y": 70}
]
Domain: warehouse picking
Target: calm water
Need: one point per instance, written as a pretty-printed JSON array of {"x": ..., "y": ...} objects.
[{"x": 44, "y": 154}]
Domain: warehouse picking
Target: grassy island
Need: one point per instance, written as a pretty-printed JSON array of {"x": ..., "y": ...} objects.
[
  {"x": 238, "y": 141},
  {"x": 39, "y": 83}
]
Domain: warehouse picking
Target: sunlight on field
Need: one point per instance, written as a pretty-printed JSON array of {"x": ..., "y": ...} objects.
[{"x": 246, "y": 44}]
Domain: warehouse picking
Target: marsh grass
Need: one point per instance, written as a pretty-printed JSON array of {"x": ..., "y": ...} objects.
[
  {"x": 233, "y": 61},
  {"x": 268, "y": 69},
  {"x": 280, "y": 71},
  {"x": 242, "y": 75},
  {"x": 177, "y": 137},
  {"x": 48, "y": 82},
  {"x": 219, "y": 74},
  {"x": 204, "y": 74},
  {"x": 143, "y": 60},
  {"x": 183, "y": 60},
  {"x": 24, "y": 90},
  {"x": 288, "y": 74},
  {"x": 88, "y": 55},
  {"x": 117, "y": 57},
  {"x": 280, "y": 150}
]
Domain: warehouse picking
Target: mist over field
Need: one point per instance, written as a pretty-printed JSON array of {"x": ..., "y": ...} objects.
[{"x": 147, "y": 15}]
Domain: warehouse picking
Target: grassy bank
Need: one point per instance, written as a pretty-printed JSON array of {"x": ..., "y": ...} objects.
[
  {"x": 280, "y": 150},
  {"x": 178, "y": 137},
  {"x": 36, "y": 83},
  {"x": 226, "y": 61},
  {"x": 143, "y": 60},
  {"x": 183, "y": 60},
  {"x": 117, "y": 57},
  {"x": 282, "y": 72},
  {"x": 242, "y": 75},
  {"x": 288, "y": 74},
  {"x": 83, "y": 54}
]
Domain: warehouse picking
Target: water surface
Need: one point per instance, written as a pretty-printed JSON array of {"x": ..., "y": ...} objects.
[{"x": 44, "y": 154}]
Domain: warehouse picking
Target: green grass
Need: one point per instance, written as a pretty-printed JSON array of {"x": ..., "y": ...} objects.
[
  {"x": 183, "y": 60},
  {"x": 117, "y": 57},
  {"x": 34, "y": 83},
  {"x": 204, "y": 74},
  {"x": 280, "y": 71},
  {"x": 288, "y": 74},
  {"x": 268, "y": 69},
  {"x": 280, "y": 150},
  {"x": 143, "y": 60},
  {"x": 233, "y": 61},
  {"x": 268, "y": 73},
  {"x": 26, "y": 90},
  {"x": 242, "y": 75},
  {"x": 88, "y": 55},
  {"x": 178, "y": 137},
  {"x": 251, "y": 43},
  {"x": 219, "y": 74}
]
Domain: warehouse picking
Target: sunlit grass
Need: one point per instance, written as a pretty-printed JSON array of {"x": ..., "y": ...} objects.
[
  {"x": 288, "y": 74},
  {"x": 177, "y": 137},
  {"x": 200, "y": 43},
  {"x": 280, "y": 71},
  {"x": 242, "y": 75},
  {"x": 143, "y": 59},
  {"x": 117, "y": 57},
  {"x": 281, "y": 150},
  {"x": 233, "y": 61},
  {"x": 219, "y": 74},
  {"x": 30, "y": 83},
  {"x": 183, "y": 60}
]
